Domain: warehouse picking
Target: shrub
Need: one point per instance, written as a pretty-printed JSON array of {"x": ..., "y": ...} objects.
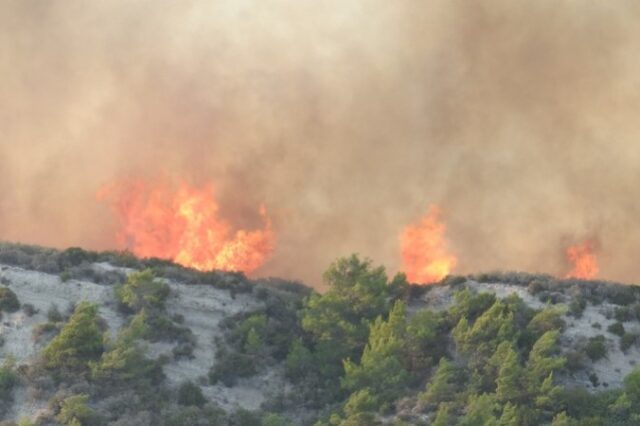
[
  {"x": 577, "y": 306},
  {"x": 596, "y": 348},
  {"x": 79, "y": 342},
  {"x": 8, "y": 379},
  {"x": 75, "y": 411},
  {"x": 29, "y": 309},
  {"x": 627, "y": 340},
  {"x": 124, "y": 362},
  {"x": 142, "y": 290},
  {"x": 535, "y": 287},
  {"x": 75, "y": 256},
  {"x": 547, "y": 319},
  {"x": 575, "y": 361},
  {"x": 624, "y": 313},
  {"x": 41, "y": 329},
  {"x": 244, "y": 417},
  {"x": 190, "y": 394},
  {"x": 275, "y": 420},
  {"x": 616, "y": 328},
  {"x": 620, "y": 294},
  {"x": 53, "y": 314},
  {"x": 230, "y": 366},
  {"x": 8, "y": 300},
  {"x": 209, "y": 415}
]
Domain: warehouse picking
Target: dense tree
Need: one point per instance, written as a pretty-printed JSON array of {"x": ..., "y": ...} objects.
[
  {"x": 444, "y": 384},
  {"x": 510, "y": 374},
  {"x": 480, "y": 410},
  {"x": 358, "y": 293},
  {"x": 381, "y": 369}
]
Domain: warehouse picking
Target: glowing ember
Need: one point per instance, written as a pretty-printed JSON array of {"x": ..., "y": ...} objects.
[
  {"x": 425, "y": 256},
  {"x": 583, "y": 260},
  {"x": 184, "y": 225}
]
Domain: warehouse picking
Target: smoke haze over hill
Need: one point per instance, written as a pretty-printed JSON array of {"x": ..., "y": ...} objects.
[{"x": 345, "y": 118}]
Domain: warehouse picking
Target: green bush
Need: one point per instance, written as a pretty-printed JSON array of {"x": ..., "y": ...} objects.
[
  {"x": 8, "y": 379},
  {"x": 596, "y": 348},
  {"x": 53, "y": 314},
  {"x": 79, "y": 342},
  {"x": 623, "y": 313},
  {"x": 8, "y": 300},
  {"x": 209, "y": 415},
  {"x": 230, "y": 366},
  {"x": 29, "y": 309},
  {"x": 190, "y": 394},
  {"x": 275, "y": 420},
  {"x": 74, "y": 411},
  {"x": 616, "y": 328},
  {"x": 627, "y": 340},
  {"x": 142, "y": 291},
  {"x": 577, "y": 306}
]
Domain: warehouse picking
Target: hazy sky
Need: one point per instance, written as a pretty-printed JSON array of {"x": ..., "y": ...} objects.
[{"x": 345, "y": 118}]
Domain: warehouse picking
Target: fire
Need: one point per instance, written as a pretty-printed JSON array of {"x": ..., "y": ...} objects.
[
  {"x": 583, "y": 259},
  {"x": 425, "y": 256},
  {"x": 184, "y": 225}
]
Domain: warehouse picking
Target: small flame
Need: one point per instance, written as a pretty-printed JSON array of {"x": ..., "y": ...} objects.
[
  {"x": 583, "y": 260},
  {"x": 425, "y": 255},
  {"x": 184, "y": 226}
]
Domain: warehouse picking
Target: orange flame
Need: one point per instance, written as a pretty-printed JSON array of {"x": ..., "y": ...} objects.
[
  {"x": 425, "y": 256},
  {"x": 184, "y": 226},
  {"x": 583, "y": 258}
]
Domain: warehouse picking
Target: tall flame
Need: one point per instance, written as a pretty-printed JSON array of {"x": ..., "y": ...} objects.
[
  {"x": 184, "y": 225},
  {"x": 583, "y": 260},
  {"x": 425, "y": 256}
]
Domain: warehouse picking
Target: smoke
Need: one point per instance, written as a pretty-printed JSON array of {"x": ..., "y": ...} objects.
[{"x": 345, "y": 118}]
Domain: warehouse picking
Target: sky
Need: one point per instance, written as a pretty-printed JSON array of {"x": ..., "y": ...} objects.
[{"x": 345, "y": 118}]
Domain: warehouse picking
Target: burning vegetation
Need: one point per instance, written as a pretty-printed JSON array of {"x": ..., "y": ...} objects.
[
  {"x": 583, "y": 259},
  {"x": 425, "y": 255},
  {"x": 184, "y": 225}
]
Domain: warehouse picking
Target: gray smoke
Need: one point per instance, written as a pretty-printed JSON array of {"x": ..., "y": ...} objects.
[{"x": 346, "y": 118}]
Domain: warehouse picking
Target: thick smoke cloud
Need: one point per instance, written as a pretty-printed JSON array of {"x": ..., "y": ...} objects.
[{"x": 346, "y": 118}]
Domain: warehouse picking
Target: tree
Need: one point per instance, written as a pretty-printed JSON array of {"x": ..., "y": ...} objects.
[
  {"x": 381, "y": 369},
  {"x": 509, "y": 381},
  {"x": 444, "y": 384},
  {"x": 79, "y": 342},
  {"x": 443, "y": 416},
  {"x": 563, "y": 420},
  {"x": 74, "y": 411},
  {"x": 542, "y": 359},
  {"x": 509, "y": 416},
  {"x": 421, "y": 345},
  {"x": 547, "y": 319},
  {"x": 359, "y": 410},
  {"x": 470, "y": 305},
  {"x": 480, "y": 410},
  {"x": 124, "y": 360},
  {"x": 358, "y": 293},
  {"x": 299, "y": 360}
]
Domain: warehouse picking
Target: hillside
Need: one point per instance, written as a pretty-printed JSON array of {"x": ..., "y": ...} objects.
[{"x": 108, "y": 339}]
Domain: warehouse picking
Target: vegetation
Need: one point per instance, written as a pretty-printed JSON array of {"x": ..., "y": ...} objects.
[
  {"x": 79, "y": 342},
  {"x": 8, "y": 300},
  {"x": 367, "y": 351},
  {"x": 142, "y": 291}
]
